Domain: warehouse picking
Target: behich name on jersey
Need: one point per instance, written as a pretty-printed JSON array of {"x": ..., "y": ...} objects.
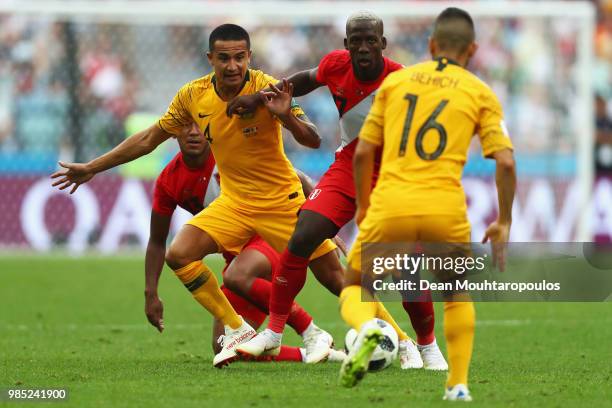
[
  {"x": 466, "y": 285},
  {"x": 441, "y": 81}
]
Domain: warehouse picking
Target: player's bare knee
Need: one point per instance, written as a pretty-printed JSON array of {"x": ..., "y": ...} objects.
[
  {"x": 235, "y": 281},
  {"x": 310, "y": 231},
  {"x": 301, "y": 243},
  {"x": 240, "y": 276},
  {"x": 175, "y": 259},
  {"x": 306, "y": 240}
]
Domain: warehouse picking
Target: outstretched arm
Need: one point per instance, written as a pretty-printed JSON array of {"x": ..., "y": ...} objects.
[
  {"x": 154, "y": 263},
  {"x": 303, "y": 83},
  {"x": 130, "y": 149},
  {"x": 279, "y": 103}
]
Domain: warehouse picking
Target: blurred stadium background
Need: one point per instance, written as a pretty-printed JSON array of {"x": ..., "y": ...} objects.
[{"x": 77, "y": 77}]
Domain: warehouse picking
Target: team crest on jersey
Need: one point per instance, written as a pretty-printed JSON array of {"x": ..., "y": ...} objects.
[
  {"x": 249, "y": 131},
  {"x": 314, "y": 193}
]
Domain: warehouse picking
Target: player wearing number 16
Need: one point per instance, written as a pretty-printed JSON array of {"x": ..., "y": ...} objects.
[{"x": 424, "y": 117}]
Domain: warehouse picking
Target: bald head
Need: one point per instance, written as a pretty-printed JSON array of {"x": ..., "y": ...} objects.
[
  {"x": 454, "y": 31},
  {"x": 362, "y": 17}
]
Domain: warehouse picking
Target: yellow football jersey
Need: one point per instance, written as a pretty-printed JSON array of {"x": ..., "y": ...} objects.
[
  {"x": 248, "y": 150},
  {"x": 424, "y": 116}
]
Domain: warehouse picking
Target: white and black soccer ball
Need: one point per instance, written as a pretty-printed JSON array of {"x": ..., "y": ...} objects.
[{"x": 384, "y": 353}]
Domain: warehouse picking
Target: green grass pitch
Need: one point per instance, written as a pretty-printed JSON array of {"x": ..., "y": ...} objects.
[{"x": 79, "y": 323}]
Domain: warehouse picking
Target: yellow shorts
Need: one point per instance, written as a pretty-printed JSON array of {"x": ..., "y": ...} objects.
[
  {"x": 439, "y": 228},
  {"x": 232, "y": 225}
]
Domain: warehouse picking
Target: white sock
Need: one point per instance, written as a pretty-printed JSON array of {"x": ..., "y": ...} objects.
[
  {"x": 424, "y": 346},
  {"x": 309, "y": 329},
  {"x": 276, "y": 337}
]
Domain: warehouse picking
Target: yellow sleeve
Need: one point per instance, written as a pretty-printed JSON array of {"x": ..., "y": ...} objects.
[
  {"x": 263, "y": 80},
  {"x": 178, "y": 114},
  {"x": 492, "y": 130},
  {"x": 373, "y": 128}
]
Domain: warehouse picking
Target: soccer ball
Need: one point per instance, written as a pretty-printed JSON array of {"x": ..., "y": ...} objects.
[{"x": 384, "y": 353}]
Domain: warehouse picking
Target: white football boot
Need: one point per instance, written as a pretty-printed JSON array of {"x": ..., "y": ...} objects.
[
  {"x": 318, "y": 344},
  {"x": 459, "y": 392},
  {"x": 336, "y": 356},
  {"x": 266, "y": 343},
  {"x": 230, "y": 341},
  {"x": 409, "y": 355},
  {"x": 432, "y": 357}
]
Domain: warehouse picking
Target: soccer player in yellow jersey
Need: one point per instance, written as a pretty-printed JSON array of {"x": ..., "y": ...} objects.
[
  {"x": 260, "y": 191},
  {"x": 424, "y": 117}
]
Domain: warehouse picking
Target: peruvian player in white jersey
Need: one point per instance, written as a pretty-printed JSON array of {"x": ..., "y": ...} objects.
[
  {"x": 352, "y": 76},
  {"x": 190, "y": 181}
]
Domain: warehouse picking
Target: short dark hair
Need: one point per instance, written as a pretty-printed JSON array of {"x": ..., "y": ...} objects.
[
  {"x": 454, "y": 29},
  {"x": 228, "y": 32},
  {"x": 365, "y": 15}
]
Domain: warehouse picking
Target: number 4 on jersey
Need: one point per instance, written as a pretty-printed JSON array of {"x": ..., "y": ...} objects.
[
  {"x": 207, "y": 134},
  {"x": 430, "y": 124}
]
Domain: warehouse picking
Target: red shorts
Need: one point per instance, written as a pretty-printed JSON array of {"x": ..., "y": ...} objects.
[
  {"x": 257, "y": 244},
  {"x": 242, "y": 306},
  {"x": 334, "y": 195}
]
